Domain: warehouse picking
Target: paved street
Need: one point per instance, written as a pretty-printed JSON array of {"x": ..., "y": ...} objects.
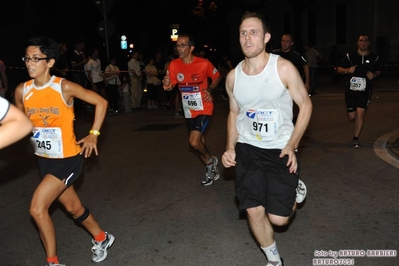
[{"x": 144, "y": 187}]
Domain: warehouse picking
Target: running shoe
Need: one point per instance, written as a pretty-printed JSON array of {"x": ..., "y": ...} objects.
[
  {"x": 278, "y": 263},
  {"x": 54, "y": 264},
  {"x": 356, "y": 144},
  {"x": 99, "y": 249},
  {"x": 301, "y": 192},
  {"x": 212, "y": 173}
]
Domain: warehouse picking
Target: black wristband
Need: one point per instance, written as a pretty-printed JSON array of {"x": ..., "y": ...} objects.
[{"x": 210, "y": 90}]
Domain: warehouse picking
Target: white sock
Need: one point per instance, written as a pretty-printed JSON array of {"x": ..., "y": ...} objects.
[{"x": 271, "y": 253}]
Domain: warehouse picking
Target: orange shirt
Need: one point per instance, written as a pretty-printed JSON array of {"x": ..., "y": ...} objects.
[
  {"x": 52, "y": 118},
  {"x": 192, "y": 80}
]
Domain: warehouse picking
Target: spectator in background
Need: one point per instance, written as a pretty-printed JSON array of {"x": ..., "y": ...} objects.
[
  {"x": 96, "y": 76},
  {"x": 336, "y": 58},
  {"x": 135, "y": 73},
  {"x": 61, "y": 67},
  {"x": 160, "y": 65},
  {"x": 77, "y": 60},
  {"x": 313, "y": 57},
  {"x": 142, "y": 63},
  {"x": 112, "y": 73},
  {"x": 3, "y": 80},
  {"x": 125, "y": 88},
  {"x": 153, "y": 83}
]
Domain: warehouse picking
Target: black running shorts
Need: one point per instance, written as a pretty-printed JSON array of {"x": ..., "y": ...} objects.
[
  {"x": 263, "y": 178},
  {"x": 357, "y": 99},
  {"x": 67, "y": 168},
  {"x": 198, "y": 123}
]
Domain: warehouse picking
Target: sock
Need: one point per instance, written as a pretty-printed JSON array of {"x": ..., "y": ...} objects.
[
  {"x": 271, "y": 253},
  {"x": 101, "y": 237},
  {"x": 53, "y": 260},
  {"x": 355, "y": 138}
]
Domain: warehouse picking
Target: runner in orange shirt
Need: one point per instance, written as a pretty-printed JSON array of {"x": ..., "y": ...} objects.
[
  {"x": 48, "y": 102},
  {"x": 191, "y": 74}
]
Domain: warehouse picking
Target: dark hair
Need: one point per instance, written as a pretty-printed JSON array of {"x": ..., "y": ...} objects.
[
  {"x": 265, "y": 23},
  {"x": 363, "y": 34},
  {"x": 289, "y": 35},
  {"x": 125, "y": 75},
  {"x": 191, "y": 40},
  {"x": 47, "y": 46},
  {"x": 92, "y": 50}
]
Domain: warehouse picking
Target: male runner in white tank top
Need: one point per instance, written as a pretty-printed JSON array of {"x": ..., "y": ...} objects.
[{"x": 262, "y": 140}]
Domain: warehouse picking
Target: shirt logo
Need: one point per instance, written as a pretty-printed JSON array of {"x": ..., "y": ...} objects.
[
  {"x": 251, "y": 113},
  {"x": 180, "y": 77},
  {"x": 44, "y": 119},
  {"x": 36, "y": 134}
]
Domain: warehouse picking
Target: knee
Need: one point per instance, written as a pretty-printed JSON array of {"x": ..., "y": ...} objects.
[
  {"x": 352, "y": 116},
  {"x": 81, "y": 215},
  {"x": 255, "y": 213},
  {"x": 194, "y": 142},
  {"x": 75, "y": 210},
  {"x": 37, "y": 212},
  {"x": 278, "y": 220}
]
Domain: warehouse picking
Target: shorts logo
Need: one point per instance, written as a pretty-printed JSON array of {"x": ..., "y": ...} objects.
[{"x": 251, "y": 113}]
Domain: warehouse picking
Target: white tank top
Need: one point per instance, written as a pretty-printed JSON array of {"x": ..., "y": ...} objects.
[{"x": 265, "y": 117}]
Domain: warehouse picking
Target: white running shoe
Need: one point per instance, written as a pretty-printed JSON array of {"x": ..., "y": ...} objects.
[
  {"x": 99, "y": 249},
  {"x": 301, "y": 192}
]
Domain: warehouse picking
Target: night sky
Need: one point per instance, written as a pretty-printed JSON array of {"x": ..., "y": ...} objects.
[{"x": 145, "y": 23}]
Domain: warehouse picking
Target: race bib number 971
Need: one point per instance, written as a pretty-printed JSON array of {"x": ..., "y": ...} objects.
[{"x": 264, "y": 123}]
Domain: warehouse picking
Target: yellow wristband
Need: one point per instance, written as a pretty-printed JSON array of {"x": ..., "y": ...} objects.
[{"x": 95, "y": 132}]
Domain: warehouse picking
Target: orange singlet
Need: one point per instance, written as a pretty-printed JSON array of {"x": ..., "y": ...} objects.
[{"x": 52, "y": 118}]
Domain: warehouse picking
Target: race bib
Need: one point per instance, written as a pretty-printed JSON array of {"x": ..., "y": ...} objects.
[
  {"x": 264, "y": 123},
  {"x": 47, "y": 142},
  {"x": 357, "y": 84},
  {"x": 191, "y": 98}
]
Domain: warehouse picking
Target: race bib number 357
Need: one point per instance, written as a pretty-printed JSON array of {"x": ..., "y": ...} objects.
[{"x": 358, "y": 84}]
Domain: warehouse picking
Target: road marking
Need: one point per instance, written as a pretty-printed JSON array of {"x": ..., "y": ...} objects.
[{"x": 380, "y": 148}]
